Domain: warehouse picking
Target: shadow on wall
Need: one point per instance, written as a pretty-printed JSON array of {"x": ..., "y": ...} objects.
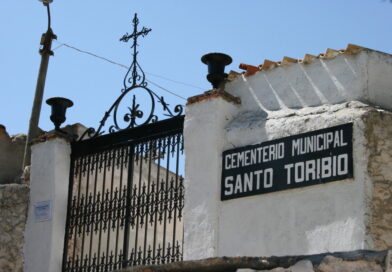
[{"x": 304, "y": 85}]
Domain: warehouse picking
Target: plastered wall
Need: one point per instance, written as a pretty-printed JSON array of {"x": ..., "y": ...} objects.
[
  {"x": 339, "y": 216},
  {"x": 343, "y": 215}
]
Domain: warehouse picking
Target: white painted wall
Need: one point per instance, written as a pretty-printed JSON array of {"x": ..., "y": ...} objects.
[
  {"x": 314, "y": 219},
  {"x": 204, "y": 139},
  {"x": 307, "y": 220},
  {"x": 365, "y": 77},
  {"x": 276, "y": 103},
  {"x": 44, "y": 241}
]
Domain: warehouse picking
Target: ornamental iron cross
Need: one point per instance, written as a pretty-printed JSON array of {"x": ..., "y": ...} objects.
[
  {"x": 135, "y": 35},
  {"x": 134, "y": 79}
]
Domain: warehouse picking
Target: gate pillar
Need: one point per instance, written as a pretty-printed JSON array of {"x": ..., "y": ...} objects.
[
  {"x": 44, "y": 235},
  {"x": 205, "y": 119}
]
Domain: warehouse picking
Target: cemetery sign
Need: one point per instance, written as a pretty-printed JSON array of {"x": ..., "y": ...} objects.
[{"x": 306, "y": 159}]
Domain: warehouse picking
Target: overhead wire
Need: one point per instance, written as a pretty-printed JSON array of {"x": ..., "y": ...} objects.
[
  {"x": 57, "y": 47},
  {"x": 164, "y": 89},
  {"x": 127, "y": 67},
  {"x": 175, "y": 81}
]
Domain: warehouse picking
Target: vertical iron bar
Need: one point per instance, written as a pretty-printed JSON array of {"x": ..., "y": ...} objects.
[
  {"x": 102, "y": 211},
  {"x": 77, "y": 211},
  {"x": 110, "y": 203},
  {"x": 157, "y": 197},
  {"x": 176, "y": 196},
  {"x": 128, "y": 205},
  {"x": 121, "y": 153},
  {"x": 166, "y": 195},
  {"x": 148, "y": 199},
  {"x": 138, "y": 210},
  {"x": 66, "y": 235},
  {"x": 94, "y": 203},
  {"x": 84, "y": 212}
]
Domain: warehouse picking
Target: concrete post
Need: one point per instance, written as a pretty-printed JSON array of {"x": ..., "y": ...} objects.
[
  {"x": 205, "y": 120},
  {"x": 44, "y": 236},
  {"x": 46, "y": 52}
]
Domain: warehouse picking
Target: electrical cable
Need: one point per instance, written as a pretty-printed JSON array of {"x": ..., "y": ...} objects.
[
  {"x": 92, "y": 54},
  {"x": 166, "y": 90},
  {"x": 126, "y": 67},
  {"x": 174, "y": 81},
  {"x": 57, "y": 47}
]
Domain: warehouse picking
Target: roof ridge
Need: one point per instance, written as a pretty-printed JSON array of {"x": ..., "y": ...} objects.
[{"x": 330, "y": 53}]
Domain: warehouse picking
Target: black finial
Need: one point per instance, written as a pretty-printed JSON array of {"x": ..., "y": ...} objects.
[
  {"x": 59, "y": 107},
  {"x": 216, "y": 67}
]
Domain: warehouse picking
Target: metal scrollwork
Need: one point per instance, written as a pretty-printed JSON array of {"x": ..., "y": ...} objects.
[{"x": 134, "y": 80}]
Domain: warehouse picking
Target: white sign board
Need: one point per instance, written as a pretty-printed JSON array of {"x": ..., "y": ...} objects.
[{"x": 43, "y": 211}]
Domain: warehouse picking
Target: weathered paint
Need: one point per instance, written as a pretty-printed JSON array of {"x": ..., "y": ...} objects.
[
  {"x": 44, "y": 241},
  {"x": 202, "y": 166},
  {"x": 284, "y": 101},
  {"x": 302, "y": 221},
  {"x": 365, "y": 77}
]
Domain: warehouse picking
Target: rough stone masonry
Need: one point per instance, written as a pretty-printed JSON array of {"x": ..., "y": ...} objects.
[
  {"x": 13, "y": 212},
  {"x": 11, "y": 156},
  {"x": 355, "y": 261}
]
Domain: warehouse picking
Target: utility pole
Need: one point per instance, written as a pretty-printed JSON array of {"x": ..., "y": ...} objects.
[{"x": 46, "y": 52}]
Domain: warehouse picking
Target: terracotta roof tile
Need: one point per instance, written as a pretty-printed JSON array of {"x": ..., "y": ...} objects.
[
  {"x": 232, "y": 75},
  {"x": 250, "y": 69},
  {"x": 288, "y": 61},
  {"x": 353, "y": 49},
  {"x": 308, "y": 58},
  {"x": 268, "y": 64},
  {"x": 331, "y": 53}
]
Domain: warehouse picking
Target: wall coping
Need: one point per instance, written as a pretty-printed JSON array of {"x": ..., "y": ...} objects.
[
  {"x": 51, "y": 135},
  {"x": 214, "y": 93}
]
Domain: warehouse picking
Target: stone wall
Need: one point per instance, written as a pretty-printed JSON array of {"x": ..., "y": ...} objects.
[
  {"x": 11, "y": 156},
  {"x": 13, "y": 212},
  {"x": 353, "y": 261},
  {"x": 379, "y": 144}
]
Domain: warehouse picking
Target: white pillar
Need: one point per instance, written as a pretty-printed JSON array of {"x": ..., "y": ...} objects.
[
  {"x": 44, "y": 235},
  {"x": 205, "y": 119}
]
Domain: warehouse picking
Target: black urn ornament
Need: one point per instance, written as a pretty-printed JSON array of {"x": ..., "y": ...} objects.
[
  {"x": 59, "y": 107},
  {"x": 216, "y": 67}
]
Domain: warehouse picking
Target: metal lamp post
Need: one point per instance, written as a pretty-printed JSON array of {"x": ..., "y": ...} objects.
[{"x": 46, "y": 52}]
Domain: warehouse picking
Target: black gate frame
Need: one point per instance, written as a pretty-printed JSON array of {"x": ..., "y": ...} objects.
[{"x": 127, "y": 137}]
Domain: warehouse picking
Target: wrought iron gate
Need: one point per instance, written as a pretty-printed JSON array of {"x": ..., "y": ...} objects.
[
  {"x": 126, "y": 193},
  {"x": 126, "y": 199}
]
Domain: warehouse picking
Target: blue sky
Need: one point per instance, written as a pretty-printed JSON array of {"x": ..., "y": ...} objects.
[{"x": 182, "y": 31}]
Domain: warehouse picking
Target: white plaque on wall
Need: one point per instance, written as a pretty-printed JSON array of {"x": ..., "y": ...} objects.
[{"x": 43, "y": 211}]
